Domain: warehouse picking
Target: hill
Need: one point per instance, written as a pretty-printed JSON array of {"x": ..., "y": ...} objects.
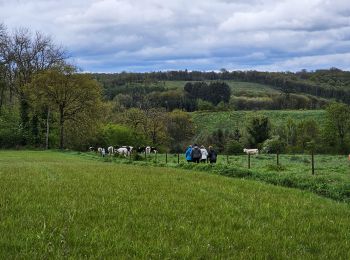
[
  {"x": 329, "y": 84},
  {"x": 61, "y": 205},
  {"x": 210, "y": 121}
]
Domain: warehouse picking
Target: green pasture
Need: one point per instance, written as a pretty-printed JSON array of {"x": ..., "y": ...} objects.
[
  {"x": 331, "y": 172},
  {"x": 238, "y": 88},
  {"x": 71, "y": 205},
  {"x": 210, "y": 121}
]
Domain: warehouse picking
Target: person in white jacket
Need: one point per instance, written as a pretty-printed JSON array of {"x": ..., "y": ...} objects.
[{"x": 204, "y": 154}]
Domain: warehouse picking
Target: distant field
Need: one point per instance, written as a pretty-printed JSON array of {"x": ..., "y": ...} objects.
[
  {"x": 237, "y": 88},
  {"x": 66, "y": 205},
  {"x": 210, "y": 121}
]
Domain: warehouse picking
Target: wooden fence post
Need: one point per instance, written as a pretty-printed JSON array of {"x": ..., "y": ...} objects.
[
  {"x": 166, "y": 157},
  {"x": 227, "y": 159},
  {"x": 278, "y": 158},
  {"x": 178, "y": 158},
  {"x": 312, "y": 163},
  {"x": 248, "y": 160}
]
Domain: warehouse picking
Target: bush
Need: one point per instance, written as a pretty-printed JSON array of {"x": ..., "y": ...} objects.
[
  {"x": 234, "y": 147},
  {"x": 203, "y": 105},
  {"x": 10, "y": 133}
]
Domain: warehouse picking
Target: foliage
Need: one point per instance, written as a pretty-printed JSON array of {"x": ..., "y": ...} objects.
[
  {"x": 258, "y": 130},
  {"x": 274, "y": 145},
  {"x": 75, "y": 97},
  {"x": 10, "y": 134},
  {"x": 180, "y": 129},
  {"x": 203, "y": 105},
  {"x": 338, "y": 125},
  {"x": 119, "y": 135},
  {"x": 215, "y": 92},
  {"x": 234, "y": 147}
]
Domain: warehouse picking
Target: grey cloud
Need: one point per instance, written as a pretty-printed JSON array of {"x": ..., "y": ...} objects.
[{"x": 115, "y": 35}]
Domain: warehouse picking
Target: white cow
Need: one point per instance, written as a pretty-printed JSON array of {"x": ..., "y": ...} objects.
[
  {"x": 251, "y": 151},
  {"x": 110, "y": 150},
  {"x": 125, "y": 150},
  {"x": 99, "y": 150}
]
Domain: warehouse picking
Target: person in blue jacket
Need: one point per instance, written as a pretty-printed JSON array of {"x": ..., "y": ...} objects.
[{"x": 188, "y": 153}]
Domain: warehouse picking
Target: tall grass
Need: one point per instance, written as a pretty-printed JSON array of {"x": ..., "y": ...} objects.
[{"x": 64, "y": 205}]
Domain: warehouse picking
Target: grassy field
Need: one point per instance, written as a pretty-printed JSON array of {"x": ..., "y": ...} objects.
[
  {"x": 331, "y": 179},
  {"x": 237, "y": 88},
  {"x": 210, "y": 121},
  {"x": 66, "y": 205}
]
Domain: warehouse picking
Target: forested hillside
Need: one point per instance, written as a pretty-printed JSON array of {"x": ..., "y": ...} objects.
[{"x": 329, "y": 84}]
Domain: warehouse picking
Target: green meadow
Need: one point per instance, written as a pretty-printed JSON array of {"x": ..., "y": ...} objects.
[
  {"x": 210, "y": 121},
  {"x": 71, "y": 205}
]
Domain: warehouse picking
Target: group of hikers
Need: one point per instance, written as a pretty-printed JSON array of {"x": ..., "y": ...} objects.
[{"x": 200, "y": 154}]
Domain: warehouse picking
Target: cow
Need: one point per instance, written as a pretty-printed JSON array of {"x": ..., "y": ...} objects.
[
  {"x": 110, "y": 150},
  {"x": 125, "y": 150},
  {"x": 251, "y": 151},
  {"x": 91, "y": 149},
  {"x": 150, "y": 149}
]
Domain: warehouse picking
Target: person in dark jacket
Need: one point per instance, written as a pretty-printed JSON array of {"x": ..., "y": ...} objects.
[
  {"x": 188, "y": 153},
  {"x": 212, "y": 155},
  {"x": 196, "y": 154}
]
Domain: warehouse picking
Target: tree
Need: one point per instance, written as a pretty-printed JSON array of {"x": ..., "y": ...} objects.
[
  {"x": 155, "y": 127},
  {"x": 258, "y": 130},
  {"x": 180, "y": 129},
  {"x": 307, "y": 131},
  {"x": 75, "y": 97},
  {"x": 338, "y": 120},
  {"x": 24, "y": 54}
]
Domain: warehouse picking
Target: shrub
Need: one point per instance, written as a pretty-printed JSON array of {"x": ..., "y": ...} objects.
[{"x": 234, "y": 147}]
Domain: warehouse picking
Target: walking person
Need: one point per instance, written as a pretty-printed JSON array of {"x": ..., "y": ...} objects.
[
  {"x": 196, "y": 154},
  {"x": 212, "y": 155},
  {"x": 204, "y": 154},
  {"x": 188, "y": 153}
]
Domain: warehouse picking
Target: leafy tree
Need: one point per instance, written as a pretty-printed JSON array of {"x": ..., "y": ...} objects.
[
  {"x": 307, "y": 131},
  {"x": 338, "y": 124},
  {"x": 234, "y": 147},
  {"x": 180, "y": 129},
  {"x": 118, "y": 135},
  {"x": 215, "y": 92},
  {"x": 258, "y": 130},
  {"x": 75, "y": 97},
  {"x": 24, "y": 54},
  {"x": 274, "y": 145}
]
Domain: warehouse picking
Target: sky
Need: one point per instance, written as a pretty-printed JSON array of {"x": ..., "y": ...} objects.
[{"x": 205, "y": 35}]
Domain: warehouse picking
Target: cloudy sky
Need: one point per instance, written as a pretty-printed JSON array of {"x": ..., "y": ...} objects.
[{"x": 152, "y": 35}]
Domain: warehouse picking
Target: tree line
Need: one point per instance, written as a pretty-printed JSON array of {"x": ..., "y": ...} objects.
[
  {"x": 331, "y": 135},
  {"x": 330, "y": 84}
]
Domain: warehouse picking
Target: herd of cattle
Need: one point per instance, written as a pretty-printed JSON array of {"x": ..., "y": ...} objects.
[{"x": 123, "y": 150}]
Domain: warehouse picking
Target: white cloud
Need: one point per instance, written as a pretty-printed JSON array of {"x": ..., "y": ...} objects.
[{"x": 115, "y": 35}]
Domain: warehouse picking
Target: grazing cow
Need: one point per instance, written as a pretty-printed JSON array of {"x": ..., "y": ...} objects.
[
  {"x": 251, "y": 151},
  {"x": 91, "y": 149},
  {"x": 150, "y": 149},
  {"x": 125, "y": 150},
  {"x": 99, "y": 150},
  {"x": 110, "y": 150}
]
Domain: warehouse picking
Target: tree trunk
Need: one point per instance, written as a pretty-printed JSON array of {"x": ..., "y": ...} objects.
[
  {"x": 61, "y": 128},
  {"x": 47, "y": 129}
]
